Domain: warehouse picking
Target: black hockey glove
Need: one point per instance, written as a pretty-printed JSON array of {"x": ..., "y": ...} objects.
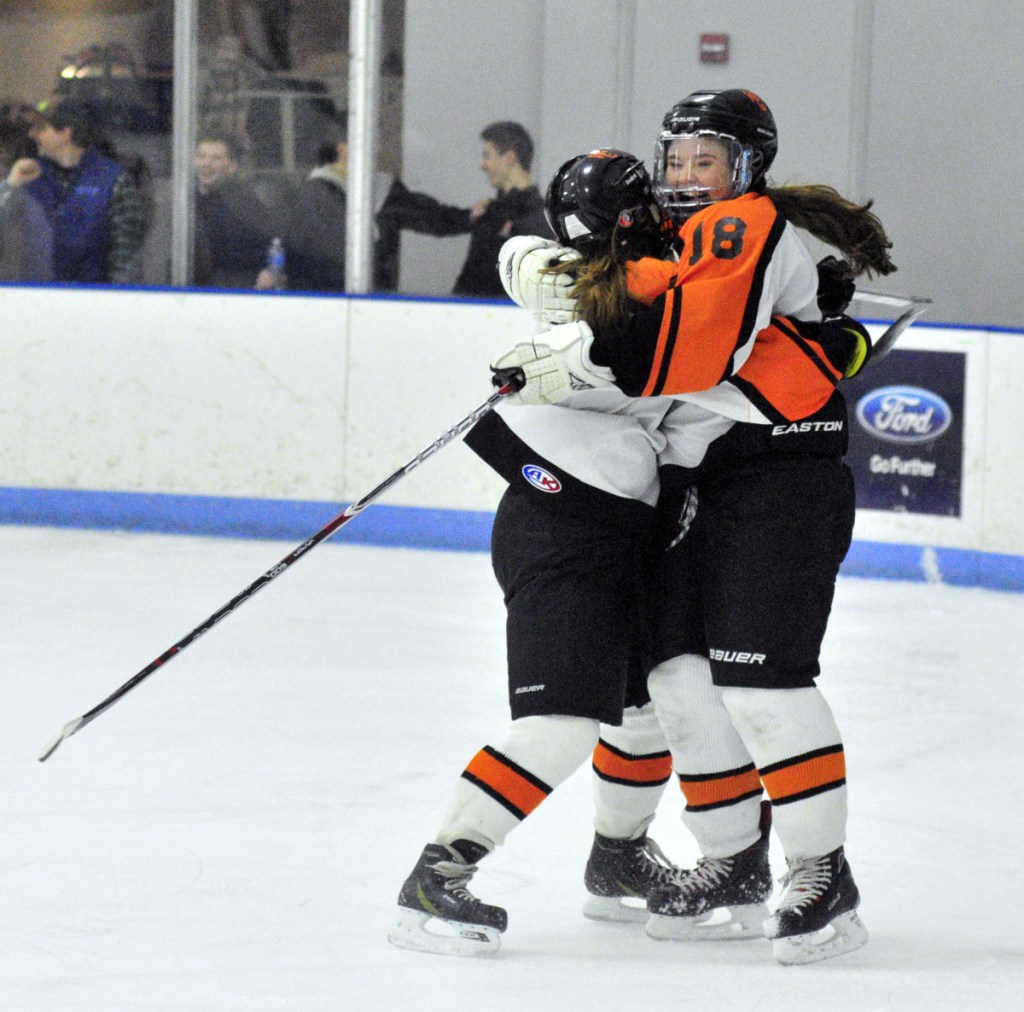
[
  {"x": 847, "y": 344},
  {"x": 835, "y": 286}
]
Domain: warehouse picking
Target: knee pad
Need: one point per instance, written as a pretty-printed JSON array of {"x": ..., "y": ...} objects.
[
  {"x": 697, "y": 726},
  {"x": 777, "y": 724}
]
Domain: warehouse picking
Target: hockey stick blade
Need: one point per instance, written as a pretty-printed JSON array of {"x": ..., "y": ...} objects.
[
  {"x": 65, "y": 732},
  {"x": 882, "y": 299},
  {"x": 350, "y": 513},
  {"x": 885, "y": 344}
]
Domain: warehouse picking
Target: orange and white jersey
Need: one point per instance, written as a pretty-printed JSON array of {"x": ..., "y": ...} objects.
[{"x": 732, "y": 326}]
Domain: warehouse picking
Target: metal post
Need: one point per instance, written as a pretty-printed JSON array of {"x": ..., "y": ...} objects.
[
  {"x": 363, "y": 82},
  {"x": 186, "y": 49},
  {"x": 625, "y": 37},
  {"x": 860, "y": 98},
  {"x": 287, "y": 132}
]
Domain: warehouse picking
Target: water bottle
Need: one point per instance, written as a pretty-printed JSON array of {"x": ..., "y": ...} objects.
[{"x": 275, "y": 264}]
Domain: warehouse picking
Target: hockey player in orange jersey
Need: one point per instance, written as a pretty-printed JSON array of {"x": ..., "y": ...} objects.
[{"x": 736, "y": 333}]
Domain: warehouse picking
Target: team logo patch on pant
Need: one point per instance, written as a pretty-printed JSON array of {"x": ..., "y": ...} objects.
[{"x": 543, "y": 481}]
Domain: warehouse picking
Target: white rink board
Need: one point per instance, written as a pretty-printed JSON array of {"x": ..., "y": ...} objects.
[
  {"x": 414, "y": 369},
  {"x": 169, "y": 392},
  {"x": 230, "y": 394},
  {"x": 306, "y": 398}
]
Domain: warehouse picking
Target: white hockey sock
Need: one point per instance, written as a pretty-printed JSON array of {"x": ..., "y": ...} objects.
[
  {"x": 506, "y": 781},
  {"x": 793, "y": 737},
  {"x": 716, "y": 773},
  {"x": 632, "y": 767}
]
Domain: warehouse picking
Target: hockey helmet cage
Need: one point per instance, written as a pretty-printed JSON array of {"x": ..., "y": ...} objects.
[
  {"x": 603, "y": 202},
  {"x": 743, "y": 126}
]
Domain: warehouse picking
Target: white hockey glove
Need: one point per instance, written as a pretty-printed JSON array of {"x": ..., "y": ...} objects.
[
  {"x": 520, "y": 263},
  {"x": 552, "y": 365}
]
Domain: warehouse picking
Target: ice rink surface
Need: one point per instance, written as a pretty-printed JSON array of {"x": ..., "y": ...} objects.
[{"x": 232, "y": 835}]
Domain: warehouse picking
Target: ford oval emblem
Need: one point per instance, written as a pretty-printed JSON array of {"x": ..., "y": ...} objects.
[
  {"x": 904, "y": 414},
  {"x": 540, "y": 479}
]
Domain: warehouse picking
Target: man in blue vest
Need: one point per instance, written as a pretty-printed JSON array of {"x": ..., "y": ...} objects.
[
  {"x": 26, "y": 240},
  {"x": 92, "y": 201}
]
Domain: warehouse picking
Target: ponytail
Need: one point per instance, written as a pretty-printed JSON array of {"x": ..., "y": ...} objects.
[
  {"x": 600, "y": 285},
  {"x": 851, "y": 228},
  {"x": 600, "y": 293}
]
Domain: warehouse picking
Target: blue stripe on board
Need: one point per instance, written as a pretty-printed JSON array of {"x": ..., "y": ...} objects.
[
  {"x": 220, "y": 516},
  {"x": 959, "y": 566},
  {"x": 419, "y": 527}
]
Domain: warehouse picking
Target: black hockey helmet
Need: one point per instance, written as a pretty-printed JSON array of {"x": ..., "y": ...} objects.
[
  {"x": 737, "y": 119},
  {"x": 603, "y": 201}
]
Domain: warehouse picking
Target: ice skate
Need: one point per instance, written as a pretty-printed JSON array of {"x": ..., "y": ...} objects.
[
  {"x": 438, "y": 914},
  {"x": 722, "y": 898},
  {"x": 621, "y": 873},
  {"x": 817, "y": 916}
]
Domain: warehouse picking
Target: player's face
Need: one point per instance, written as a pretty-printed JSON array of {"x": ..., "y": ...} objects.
[{"x": 702, "y": 163}]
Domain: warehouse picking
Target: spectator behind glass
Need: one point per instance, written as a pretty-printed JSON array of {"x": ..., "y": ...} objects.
[
  {"x": 26, "y": 239},
  {"x": 315, "y": 237},
  {"x": 516, "y": 210},
  {"x": 91, "y": 200},
  {"x": 316, "y": 233},
  {"x": 234, "y": 227}
]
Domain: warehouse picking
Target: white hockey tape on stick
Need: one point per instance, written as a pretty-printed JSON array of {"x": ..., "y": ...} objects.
[
  {"x": 896, "y": 301},
  {"x": 914, "y": 308}
]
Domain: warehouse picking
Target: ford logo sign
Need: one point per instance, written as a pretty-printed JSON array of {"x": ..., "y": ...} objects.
[{"x": 904, "y": 414}]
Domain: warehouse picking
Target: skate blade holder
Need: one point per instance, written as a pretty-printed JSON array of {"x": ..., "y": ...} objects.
[
  {"x": 842, "y": 935},
  {"x": 422, "y": 932},
  {"x": 622, "y": 909},
  {"x": 722, "y": 924}
]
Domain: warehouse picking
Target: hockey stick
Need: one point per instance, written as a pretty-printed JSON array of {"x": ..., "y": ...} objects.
[
  {"x": 912, "y": 306},
  {"x": 882, "y": 299},
  {"x": 76, "y": 725}
]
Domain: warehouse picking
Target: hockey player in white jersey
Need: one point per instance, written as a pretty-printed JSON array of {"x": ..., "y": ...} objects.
[{"x": 569, "y": 548}]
